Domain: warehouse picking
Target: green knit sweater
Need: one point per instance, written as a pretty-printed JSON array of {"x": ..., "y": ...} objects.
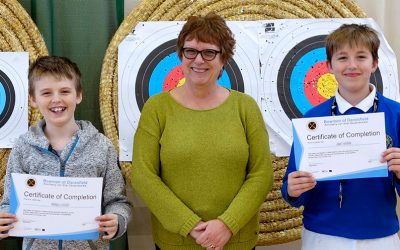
[{"x": 191, "y": 165}]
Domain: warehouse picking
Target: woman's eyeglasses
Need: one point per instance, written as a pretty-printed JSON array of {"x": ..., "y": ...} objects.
[{"x": 206, "y": 54}]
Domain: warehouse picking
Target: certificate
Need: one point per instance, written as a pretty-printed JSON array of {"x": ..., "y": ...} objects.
[
  {"x": 340, "y": 147},
  {"x": 57, "y": 208}
]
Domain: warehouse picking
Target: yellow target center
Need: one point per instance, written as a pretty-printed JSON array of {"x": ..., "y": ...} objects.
[
  {"x": 327, "y": 85},
  {"x": 181, "y": 82}
]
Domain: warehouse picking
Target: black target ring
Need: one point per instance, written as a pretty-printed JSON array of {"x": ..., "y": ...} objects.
[
  {"x": 289, "y": 63},
  {"x": 152, "y": 60},
  {"x": 9, "y": 102}
]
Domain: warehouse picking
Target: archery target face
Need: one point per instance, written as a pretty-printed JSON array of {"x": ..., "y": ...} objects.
[
  {"x": 148, "y": 64},
  {"x": 13, "y": 96},
  {"x": 162, "y": 71},
  {"x": 7, "y": 98},
  {"x": 304, "y": 80},
  {"x": 295, "y": 74}
]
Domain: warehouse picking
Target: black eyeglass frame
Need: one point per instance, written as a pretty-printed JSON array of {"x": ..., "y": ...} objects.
[{"x": 216, "y": 52}]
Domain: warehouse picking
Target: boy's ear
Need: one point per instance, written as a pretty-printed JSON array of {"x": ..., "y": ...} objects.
[
  {"x": 328, "y": 64},
  {"x": 32, "y": 101},
  {"x": 79, "y": 97},
  {"x": 374, "y": 65}
]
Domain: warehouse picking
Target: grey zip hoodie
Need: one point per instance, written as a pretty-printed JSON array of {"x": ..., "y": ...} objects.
[{"x": 88, "y": 154}]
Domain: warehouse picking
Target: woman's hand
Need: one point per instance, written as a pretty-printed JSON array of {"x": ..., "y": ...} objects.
[
  {"x": 392, "y": 157},
  {"x": 6, "y": 220},
  {"x": 108, "y": 223},
  {"x": 215, "y": 234},
  {"x": 300, "y": 182},
  {"x": 197, "y": 230}
]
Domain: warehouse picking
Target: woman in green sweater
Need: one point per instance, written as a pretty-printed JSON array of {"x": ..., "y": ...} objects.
[{"x": 201, "y": 159}]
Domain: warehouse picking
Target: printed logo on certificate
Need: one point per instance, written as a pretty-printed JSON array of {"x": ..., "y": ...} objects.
[
  {"x": 57, "y": 208},
  {"x": 340, "y": 147}
]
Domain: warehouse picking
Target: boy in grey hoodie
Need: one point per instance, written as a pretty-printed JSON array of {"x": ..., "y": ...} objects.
[{"x": 61, "y": 146}]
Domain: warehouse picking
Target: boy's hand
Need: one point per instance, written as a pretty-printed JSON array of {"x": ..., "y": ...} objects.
[
  {"x": 392, "y": 156},
  {"x": 300, "y": 182},
  {"x": 108, "y": 223},
  {"x": 5, "y": 219}
]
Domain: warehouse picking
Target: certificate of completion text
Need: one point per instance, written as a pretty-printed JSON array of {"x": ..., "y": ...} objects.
[
  {"x": 340, "y": 147},
  {"x": 62, "y": 208}
]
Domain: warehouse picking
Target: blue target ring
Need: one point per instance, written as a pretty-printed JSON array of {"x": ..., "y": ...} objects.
[
  {"x": 163, "y": 60},
  {"x": 294, "y": 67},
  {"x": 161, "y": 71},
  {"x": 306, "y": 62},
  {"x": 7, "y": 98},
  {"x": 2, "y": 98},
  {"x": 166, "y": 65}
]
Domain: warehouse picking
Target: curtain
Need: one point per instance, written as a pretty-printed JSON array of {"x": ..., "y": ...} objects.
[{"x": 81, "y": 31}]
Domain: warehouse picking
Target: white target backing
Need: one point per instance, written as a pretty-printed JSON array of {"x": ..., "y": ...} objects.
[
  {"x": 132, "y": 52},
  {"x": 246, "y": 55},
  {"x": 13, "y": 96}
]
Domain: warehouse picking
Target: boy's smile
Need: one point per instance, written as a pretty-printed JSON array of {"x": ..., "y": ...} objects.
[
  {"x": 352, "y": 66},
  {"x": 56, "y": 100},
  {"x": 58, "y": 109}
]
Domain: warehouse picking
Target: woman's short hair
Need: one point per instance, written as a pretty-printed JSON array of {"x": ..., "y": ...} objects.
[{"x": 210, "y": 28}]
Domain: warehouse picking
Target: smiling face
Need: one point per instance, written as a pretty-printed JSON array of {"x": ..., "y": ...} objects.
[
  {"x": 198, "y": 71},
  {"x": 56, "y": 100},
  {"x": 352, "y": 66}
]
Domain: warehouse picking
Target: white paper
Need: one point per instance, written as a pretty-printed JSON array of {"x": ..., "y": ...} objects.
[
  {"x": 61, "y": 208},
  {"x": 340, "y": 147}
]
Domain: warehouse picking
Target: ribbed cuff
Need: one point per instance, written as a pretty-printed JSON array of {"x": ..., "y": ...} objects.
[
  {"x": 230, "y": 222},
  {"x": 121, "y": 227},
  {"x": 189, "y": 225},
  {"x": 293, "y": 201}
]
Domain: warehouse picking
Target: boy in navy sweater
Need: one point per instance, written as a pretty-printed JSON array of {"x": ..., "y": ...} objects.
[{"x": 355, "y": 213}]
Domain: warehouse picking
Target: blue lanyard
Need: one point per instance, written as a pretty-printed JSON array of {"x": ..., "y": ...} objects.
[{"x": 334, "y": 113}]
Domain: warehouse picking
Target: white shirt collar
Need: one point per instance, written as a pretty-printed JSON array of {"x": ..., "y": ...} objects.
[{"x": 364, "y": 105}]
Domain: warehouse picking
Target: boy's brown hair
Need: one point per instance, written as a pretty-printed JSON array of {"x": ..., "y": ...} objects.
[
  {"x": 208, "y": 29},
  {"x": 353, "y": 35},
  {"x": 56, "y": 66}
]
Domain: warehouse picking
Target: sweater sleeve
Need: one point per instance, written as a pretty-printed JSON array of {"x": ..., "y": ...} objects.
[
  {"x": 396, "y": 183},
  {"x": 299, "y": 201},
  {"x": 114, "y": 197},
  {"x": 259, "y": 176},
  {"x": 173, "y": 214}
]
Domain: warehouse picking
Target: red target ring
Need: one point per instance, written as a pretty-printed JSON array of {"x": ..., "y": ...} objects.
[
  {"x": 318, "y": 83},
  {"x": 173, "y": 78}
]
